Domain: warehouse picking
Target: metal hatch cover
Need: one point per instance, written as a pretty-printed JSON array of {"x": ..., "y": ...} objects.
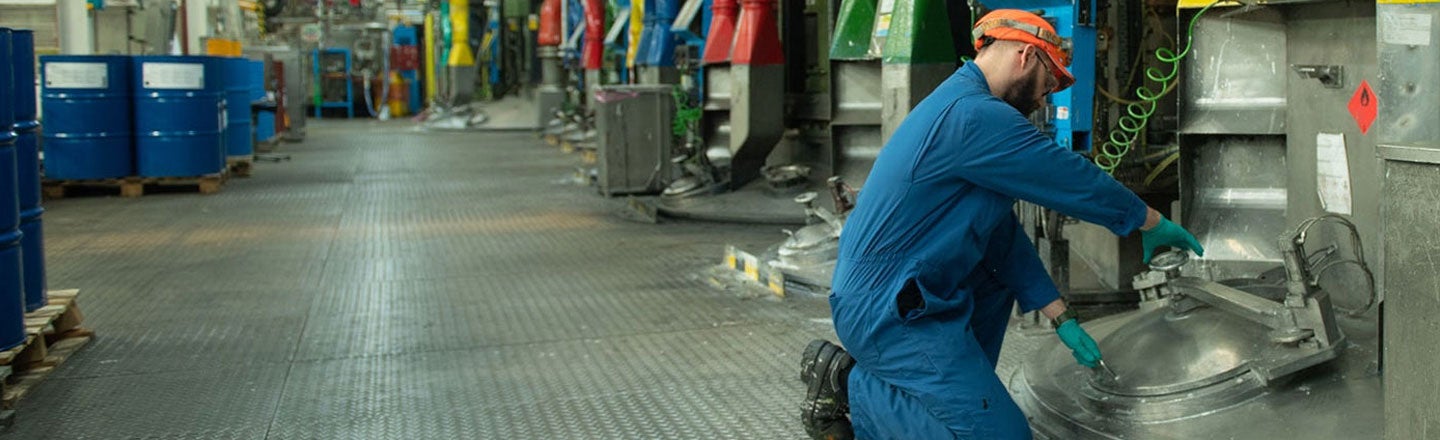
[{"x": 1164, "y": 352}]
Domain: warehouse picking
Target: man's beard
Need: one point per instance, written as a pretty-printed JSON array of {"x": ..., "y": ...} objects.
[{"x": 1022, "y": 95}]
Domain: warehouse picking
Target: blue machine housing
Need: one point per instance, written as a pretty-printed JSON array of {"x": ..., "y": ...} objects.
[
  {"x": 1072, "y": 116},
  {"x": 657, "y": 43}
]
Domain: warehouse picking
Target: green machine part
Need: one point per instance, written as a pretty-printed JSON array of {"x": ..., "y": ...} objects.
[
  {"x": 853, "y": 29},
  {"x": 918, "y": 32},
  {"x": 516, "y": 8}
]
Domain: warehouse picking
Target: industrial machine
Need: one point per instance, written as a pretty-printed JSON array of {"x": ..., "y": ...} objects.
[
  {"x": 332, "y": 80},
  {"x": 762, "y": 137},
  {"x": 839, "y": 120},
  {"x": 1262, "y": 357},
  {"x": 1276, "y": 331}
]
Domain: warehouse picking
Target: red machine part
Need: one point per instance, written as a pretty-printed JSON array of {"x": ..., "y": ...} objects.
[
  {"x": 594, "y": 34},
  {"x": 549, "y": 33},
  {"x": 757, "y": 38},
  {"x": 722, "y": 31},
  {"x": 405, "y": 57}
]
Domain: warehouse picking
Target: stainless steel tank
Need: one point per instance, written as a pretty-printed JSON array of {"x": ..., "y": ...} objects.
[{"x": 1269, "y": 357}]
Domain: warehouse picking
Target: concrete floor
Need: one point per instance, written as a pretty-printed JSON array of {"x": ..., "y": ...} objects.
[{"x": 388, "y": 283}]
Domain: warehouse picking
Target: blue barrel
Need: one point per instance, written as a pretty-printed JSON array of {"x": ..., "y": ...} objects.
[
  {"x": 264, "y": 119},
  {"x": 238, "y": 143},
  {"x": 179, "y": 115},
  {"x": 78, "y": 143},
  {"x": 27, "y": 161},
  {"x": 12, "y": 306}
]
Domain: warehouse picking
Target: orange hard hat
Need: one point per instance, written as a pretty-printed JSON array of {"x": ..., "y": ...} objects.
[{"x": 1026, "y": 27}]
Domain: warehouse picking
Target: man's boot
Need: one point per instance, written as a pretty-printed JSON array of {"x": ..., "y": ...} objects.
[{"x": 825, "y": 369}]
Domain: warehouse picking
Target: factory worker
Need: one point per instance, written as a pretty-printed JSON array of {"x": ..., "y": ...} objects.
[{"x": 933, "y": 259}]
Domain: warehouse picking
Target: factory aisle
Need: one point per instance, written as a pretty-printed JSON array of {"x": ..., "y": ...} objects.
[{"x": 391, "y": 284}]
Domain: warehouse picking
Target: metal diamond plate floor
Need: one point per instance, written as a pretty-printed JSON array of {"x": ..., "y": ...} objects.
[{"x": 394, "y": 284}]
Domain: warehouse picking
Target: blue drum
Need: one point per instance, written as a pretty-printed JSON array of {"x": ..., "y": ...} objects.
[
  {"x": 27, "y": 160},
  {"x": 179, "y": 115},
  {"x": 12, "y": 306},
  {"x": 79, "y": 145},
  {"x": 238, "y": 141},
  {"x": 264, "y": 119}
]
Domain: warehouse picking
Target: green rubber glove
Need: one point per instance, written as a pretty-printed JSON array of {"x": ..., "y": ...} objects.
[
  {"x": 1080, "y": 343},
  {"x": 1168, "y": 233}
]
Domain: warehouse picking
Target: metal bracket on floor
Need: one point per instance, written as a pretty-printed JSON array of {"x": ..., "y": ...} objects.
[{"x": 755, "y": 270}]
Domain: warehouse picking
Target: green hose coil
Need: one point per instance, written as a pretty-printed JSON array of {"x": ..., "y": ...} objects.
[{"x": 1137, "y": 113}]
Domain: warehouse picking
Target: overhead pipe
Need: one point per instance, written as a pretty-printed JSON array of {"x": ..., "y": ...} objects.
[
  {"x": 757, "y": 116},
  {"x": 723, "y": 14}
]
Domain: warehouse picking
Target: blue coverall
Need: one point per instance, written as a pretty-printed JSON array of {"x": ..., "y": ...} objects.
[{"x": 933, "y": 258}]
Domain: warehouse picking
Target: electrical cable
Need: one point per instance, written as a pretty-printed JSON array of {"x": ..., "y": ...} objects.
[
  {"x": 1134, "y": 70},
  {"x": 1130, "y": 126}
]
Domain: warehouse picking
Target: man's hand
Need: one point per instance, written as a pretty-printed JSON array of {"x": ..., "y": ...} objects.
[
  {"x": 1167, "y": 233},
  {"x": 1086, "y": 352}
]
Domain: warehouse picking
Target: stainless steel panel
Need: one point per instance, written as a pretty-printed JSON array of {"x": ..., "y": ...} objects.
[
  {"x": 717, "y": 137},
  {"x": 1411, "y": 208},
  {"x": 658, "y": 75},
  {"x": 1409, "y": 89},
  {"x": 757, "y": 118},
  {"x": 1333, "y": 34},
  {"x": 717, "y": 87},
  {"x": 856, "y": 147},
  {"x": 1409, "y": 125},
  {"x": 1234, "y": 201},
  {"x": 634, "y": 122},
  {"x": 857, "y": 92},
  {"x": 1235, "y": 76},
  {"x": 1409, "y": 153},
  {"x": 902, "y": 86}
]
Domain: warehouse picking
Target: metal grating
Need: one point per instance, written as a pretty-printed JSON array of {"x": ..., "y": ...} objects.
[{"x": 388, "y": 283}]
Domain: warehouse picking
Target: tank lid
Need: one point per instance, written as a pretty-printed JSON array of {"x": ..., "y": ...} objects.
[{"x": 1166, "y": 352}]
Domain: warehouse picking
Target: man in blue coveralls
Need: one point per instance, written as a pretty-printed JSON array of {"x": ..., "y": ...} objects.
[{"x": 932, "y": 259}]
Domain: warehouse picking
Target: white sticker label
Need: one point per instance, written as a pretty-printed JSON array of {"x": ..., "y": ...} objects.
[
  {"x": 1405, "y": 29},
  {"x": 76, "y": 76},
  {"x": 1332, "y": 173},
  {"x": 181, "y": 76},
  {"x": 1062, "y": 113}
]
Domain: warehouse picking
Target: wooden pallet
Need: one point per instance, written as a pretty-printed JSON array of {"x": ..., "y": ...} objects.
[
  {"x": 239, "y": 167},
  {"x": 130, "y": 186},
  {"x": 52, "y": 335}
]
